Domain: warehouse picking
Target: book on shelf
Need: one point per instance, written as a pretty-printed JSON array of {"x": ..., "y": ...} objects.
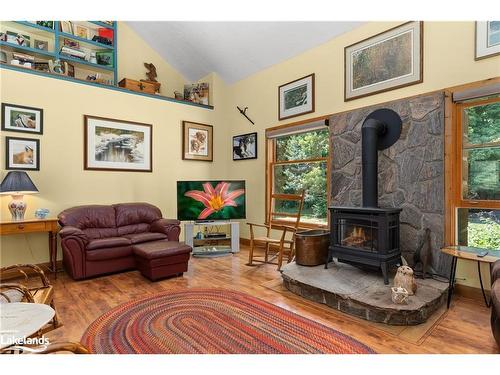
[
  {"x": 72, "y": 52},
  {"x": 22, "y": 57}
]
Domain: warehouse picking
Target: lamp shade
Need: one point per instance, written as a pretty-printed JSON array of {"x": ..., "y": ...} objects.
[{"x": 17, "y": 183}]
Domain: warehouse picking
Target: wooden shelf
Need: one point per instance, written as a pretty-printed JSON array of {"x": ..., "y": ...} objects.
[
  {"x": 35, "y": 26},
  {"x": 86, "y": 41}
]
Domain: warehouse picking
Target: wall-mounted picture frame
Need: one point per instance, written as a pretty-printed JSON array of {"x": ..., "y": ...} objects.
[
  {"x": 66, "y": 27},
  {"x": 41, "y": 45},
  {"x": 296, "y": 98},
  {"x": 245, "y": 146},
  {"x": 22, "y": 154},
  {"x": 197, "y": 141},
  {"x": 117, "y": 145},
  {"x": 384, "y": 62},
  {"x": 81, "y": 31},
  {"x": 47, "y": 24},
  {"x": 487, "y": 39},
  {"x": 19, "y": 118}
]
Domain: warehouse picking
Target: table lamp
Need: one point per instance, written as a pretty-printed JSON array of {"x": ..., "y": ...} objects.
[{"x": 17, "y": 184}]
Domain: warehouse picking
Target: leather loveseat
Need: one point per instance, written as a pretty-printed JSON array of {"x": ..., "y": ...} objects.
[
  {"x": 495, "y": 301},
  {"x": 101, "y": 239}
]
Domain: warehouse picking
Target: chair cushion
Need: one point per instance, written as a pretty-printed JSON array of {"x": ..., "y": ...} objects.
[
  {"x": 12, "y": 294},
  {"x": 135, "y": 213},
  {"x": 108, "y": 242},
  {"x": 159, "y": 249},
  {"x": 90, "y": 216},
  {"x": 145, "y": 237}
]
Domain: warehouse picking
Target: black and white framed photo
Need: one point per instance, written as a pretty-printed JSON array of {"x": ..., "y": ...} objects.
[
  {"x": 296, "y": 98},
  {"x": 383, "y": 62},
  {"x": 19, "y": 118},
  {"x": 22, "y": 153},
  {"x": 245, "y": 146},
  {"x": 487, "y": 39},
  {"x": 116, "y": 145}
]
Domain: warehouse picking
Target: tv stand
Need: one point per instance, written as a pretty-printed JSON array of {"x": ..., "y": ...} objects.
[{"x": 212, "y": 243}]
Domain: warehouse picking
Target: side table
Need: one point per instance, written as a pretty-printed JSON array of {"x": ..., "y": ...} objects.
[
  {"x": 469, "y": 253},
  {"x": 48, "y": 225}
]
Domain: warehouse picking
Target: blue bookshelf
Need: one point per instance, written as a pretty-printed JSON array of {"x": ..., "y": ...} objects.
[{"x": 56, "y": 37}]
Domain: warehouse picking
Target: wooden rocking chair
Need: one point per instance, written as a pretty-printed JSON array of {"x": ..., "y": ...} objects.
[{"x": 275, "y": 221}]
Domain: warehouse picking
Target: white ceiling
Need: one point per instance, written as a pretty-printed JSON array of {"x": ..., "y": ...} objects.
[{"x": 234, "y": 50}]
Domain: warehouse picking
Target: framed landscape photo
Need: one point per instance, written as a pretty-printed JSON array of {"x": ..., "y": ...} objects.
[
  {"x": 22, "y": 153},
  {"x": 116, "y": 145},
  {"x": 245, "y": 146},
  {"x": 383, "y": 62},
  {"x": 296, "y": 98},
  {"x": 18, "y": 118},
  {"x": 197, "y": 142},
  {"x": 487, "y": 39}
]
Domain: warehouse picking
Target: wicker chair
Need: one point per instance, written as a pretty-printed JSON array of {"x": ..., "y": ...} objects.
[
  {"x": 29, "y": 290},
  {"x": 55, "y": 347}
]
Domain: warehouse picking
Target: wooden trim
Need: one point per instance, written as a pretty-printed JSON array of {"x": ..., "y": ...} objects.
[
  {"x": 312, "y": 75},
  {"x": 420, "y": 80},
  {"x": 85, "y": 142},
  {"x": 471, "y": 292},
  {"x": 299, "y": 161},
  {"x": 210, "y": 129},
  {"x": 296, "y": 123}
]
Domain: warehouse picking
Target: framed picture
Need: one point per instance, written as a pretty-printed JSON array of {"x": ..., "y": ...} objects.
[
  {"x": 296, "y": 98},
  {"x": 18, "y": 118},
  {"x": 245, "y": 146},
  {"x": 81, "y": 31},
  {"x": 71, "y": 43},
  {"x": 41, "y": 44},
  {"x": 22, "y": 153},
  {"x": 66, "y": 27},
  {"x": 116, "y": 145},
  {"x": 19, "y": 39},
  {"x": 69, "y": 69},
  {"x": 47, "y": 24},
  {"x": 197, "y": 93},
  {"x": 386, "y": 61},
  {"x": 104, "y": 58},
  {"x": 197, "y": 141},
  {"x": 487, "y": 39}
]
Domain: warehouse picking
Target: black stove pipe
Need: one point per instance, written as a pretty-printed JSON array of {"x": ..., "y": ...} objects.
[{"x": 371, "y": 130}]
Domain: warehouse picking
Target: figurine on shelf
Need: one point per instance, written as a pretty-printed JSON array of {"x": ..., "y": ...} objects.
[
  {"x": 151, "y": 74},
  {"x": 56, "y": 66}
]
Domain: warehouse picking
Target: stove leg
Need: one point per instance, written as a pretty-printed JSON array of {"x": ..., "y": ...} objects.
[{"x": 383, "y": 266}]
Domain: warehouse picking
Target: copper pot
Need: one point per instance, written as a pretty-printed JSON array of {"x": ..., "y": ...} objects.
[{"x": 311, "y": 247}]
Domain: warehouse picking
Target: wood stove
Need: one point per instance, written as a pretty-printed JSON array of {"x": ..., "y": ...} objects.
[{"x": 369, "y": 235}]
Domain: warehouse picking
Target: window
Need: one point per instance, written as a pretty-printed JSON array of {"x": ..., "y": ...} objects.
[
  {"x": 299, "y": 162},
  {"x": 476, "y": 173}
]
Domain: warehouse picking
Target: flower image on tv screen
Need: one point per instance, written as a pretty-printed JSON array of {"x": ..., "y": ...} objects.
[{"x": 211, "y": 200}]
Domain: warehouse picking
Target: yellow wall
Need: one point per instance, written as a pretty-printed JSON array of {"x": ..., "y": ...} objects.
[
  {"x": 133, "y": 52},
  {"x": 448, "y": 61},
  {"x": 63, "y": 182}
]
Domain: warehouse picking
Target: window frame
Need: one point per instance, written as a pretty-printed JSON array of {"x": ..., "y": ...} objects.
[
  {"x": 271, "y": 162},
  {"x": 453, "y": 159}
]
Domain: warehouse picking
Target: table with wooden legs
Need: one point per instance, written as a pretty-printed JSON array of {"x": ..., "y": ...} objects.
[
  {"x": 469, "y": 253},
  {"x": 49, "y": 226}
]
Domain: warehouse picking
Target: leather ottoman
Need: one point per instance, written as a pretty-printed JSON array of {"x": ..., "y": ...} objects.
[{"x": 159, "y": 259}]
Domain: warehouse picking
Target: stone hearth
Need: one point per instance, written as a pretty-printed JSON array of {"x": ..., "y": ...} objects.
[{"x": 363, "y": 293}]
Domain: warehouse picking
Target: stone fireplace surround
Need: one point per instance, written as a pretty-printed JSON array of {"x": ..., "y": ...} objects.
[{"x": 411, "y": 172}]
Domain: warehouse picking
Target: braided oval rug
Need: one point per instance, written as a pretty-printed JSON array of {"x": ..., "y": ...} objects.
[{"x": 211, "y": 321}]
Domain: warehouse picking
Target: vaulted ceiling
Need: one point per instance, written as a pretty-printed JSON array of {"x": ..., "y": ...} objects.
[{"x": 234, "y": 50}]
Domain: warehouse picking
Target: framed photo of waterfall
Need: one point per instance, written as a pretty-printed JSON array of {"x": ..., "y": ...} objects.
[{"x": 116, "y": 145}]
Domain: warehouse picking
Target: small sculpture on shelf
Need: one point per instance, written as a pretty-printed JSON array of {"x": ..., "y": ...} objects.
[
  {"x": 404, "y": 279},
  {"x": 151, "y": 74}
]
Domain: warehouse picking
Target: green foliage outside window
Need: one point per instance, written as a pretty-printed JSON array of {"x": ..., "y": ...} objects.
[{"x": 308, "y": 176}]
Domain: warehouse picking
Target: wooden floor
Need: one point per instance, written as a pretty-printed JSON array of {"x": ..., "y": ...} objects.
[{"x": 465, "y": 328}]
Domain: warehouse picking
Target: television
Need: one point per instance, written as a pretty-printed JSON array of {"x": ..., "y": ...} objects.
[{"x": 211, "y": 200}]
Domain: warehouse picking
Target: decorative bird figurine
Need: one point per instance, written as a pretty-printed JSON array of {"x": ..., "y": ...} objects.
[{"x": 152, "y": 72}]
